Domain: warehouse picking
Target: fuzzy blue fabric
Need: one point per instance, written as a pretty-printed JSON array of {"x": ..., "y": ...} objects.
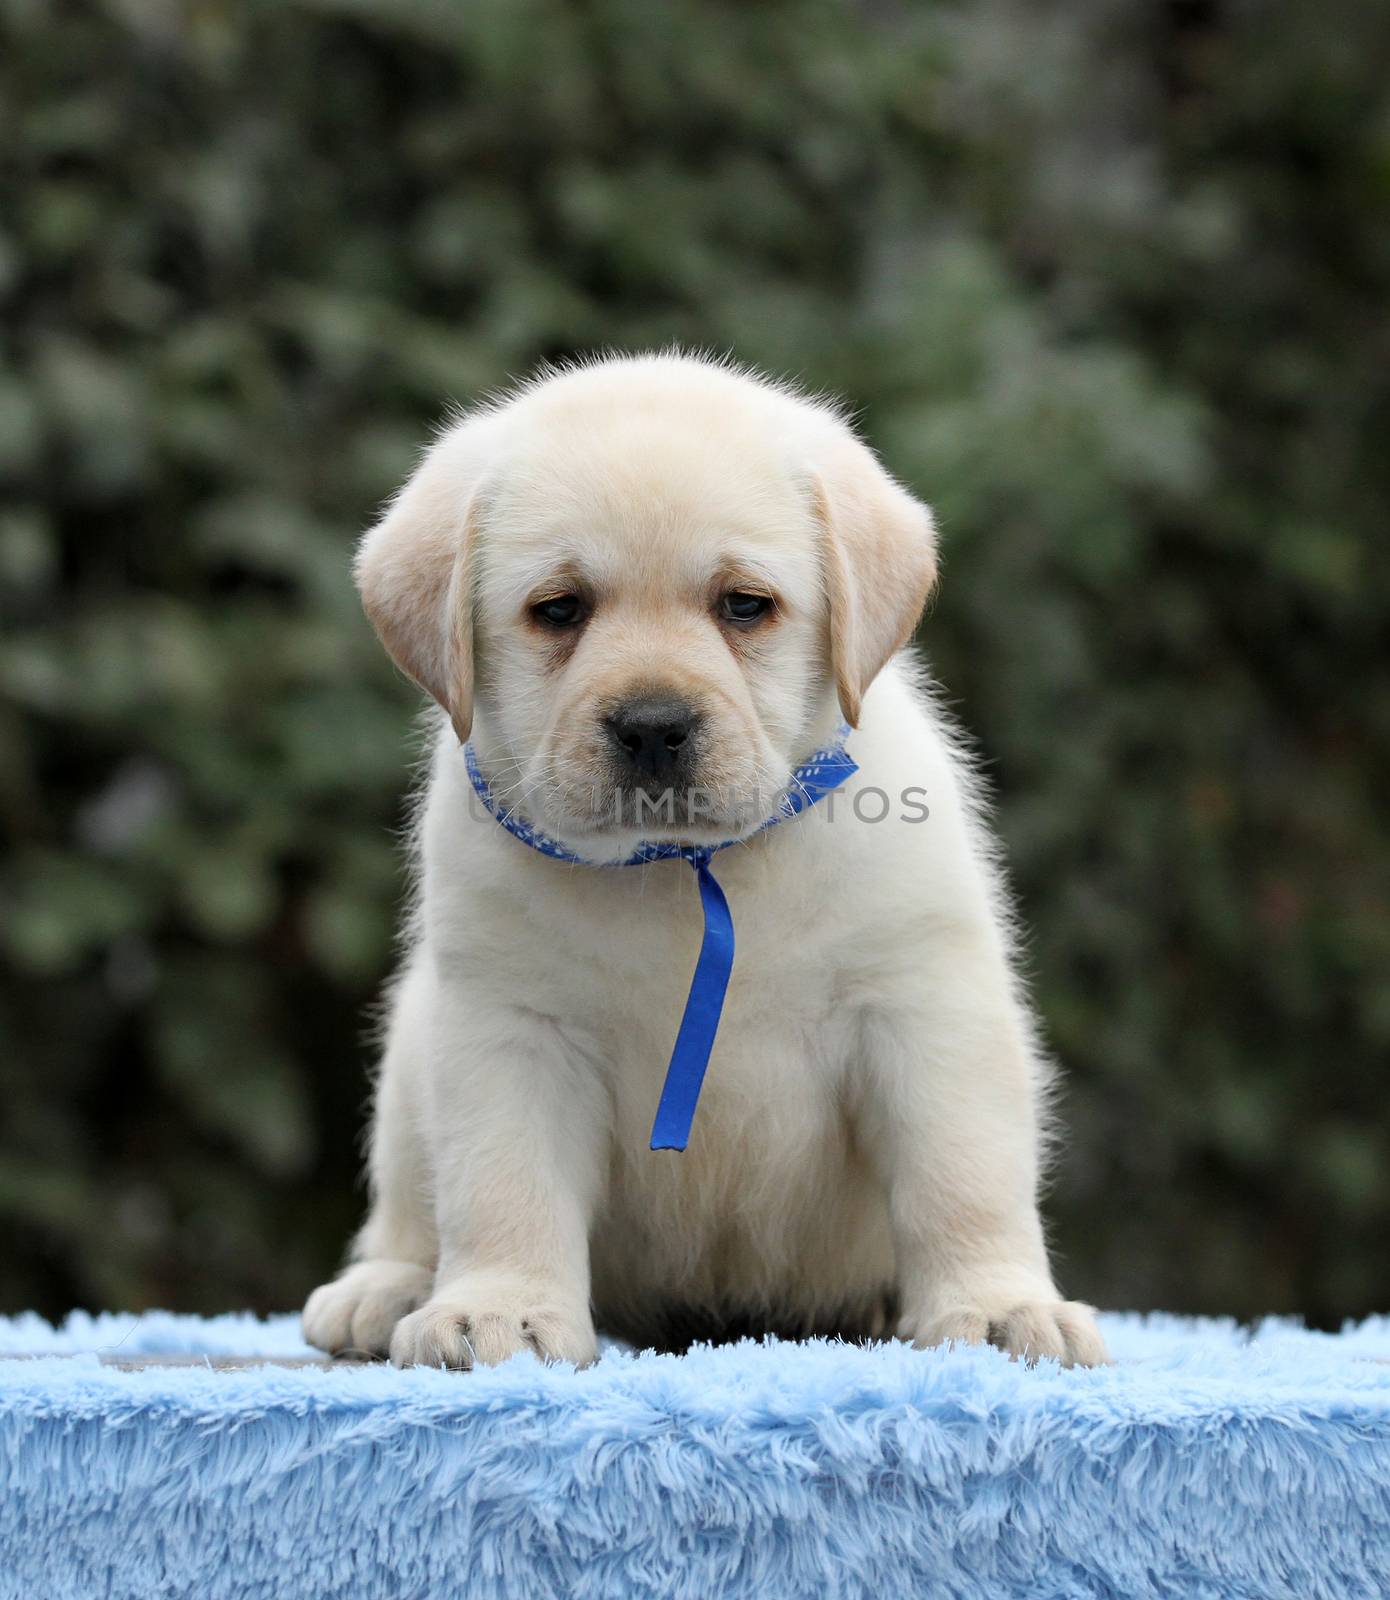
[{"x": 1207, "y": 1462}]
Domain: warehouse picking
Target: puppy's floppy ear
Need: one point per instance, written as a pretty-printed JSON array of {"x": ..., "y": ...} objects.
[
  {"x": 414, "y": 573},
  {"x": 879, "y": 550}
]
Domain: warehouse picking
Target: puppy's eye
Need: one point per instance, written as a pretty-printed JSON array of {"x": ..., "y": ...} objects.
[
  {"x": 745, "y": 608},
  {"x": 562, "y": 611}
]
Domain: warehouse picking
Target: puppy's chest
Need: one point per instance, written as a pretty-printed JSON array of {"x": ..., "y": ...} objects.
[
  {"x": 773, "y": 1107},
  {"x": 616, "y": 953},
  {"x": 779, "y": 1055},
  {"x": 779, "y": 1059}
]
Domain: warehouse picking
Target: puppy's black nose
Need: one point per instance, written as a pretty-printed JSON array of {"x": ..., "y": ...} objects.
[{"x": 652, "y": 736}]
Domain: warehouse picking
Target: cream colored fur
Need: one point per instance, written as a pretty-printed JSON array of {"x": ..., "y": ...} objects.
[{"x": 870, "y": 1129}]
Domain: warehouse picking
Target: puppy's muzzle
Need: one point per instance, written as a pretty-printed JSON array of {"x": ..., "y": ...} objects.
[{"x": 652, "y": 739}]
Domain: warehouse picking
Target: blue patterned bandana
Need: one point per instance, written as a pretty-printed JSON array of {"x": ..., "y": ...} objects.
[{"x": 812, "y": 781}]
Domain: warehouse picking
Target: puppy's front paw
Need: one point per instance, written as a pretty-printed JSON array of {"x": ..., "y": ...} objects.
[
  {"x": 359, "y": 1310},
  {"x": 482, "y": 1320},
  {"x": 1063, "y": 1330}
]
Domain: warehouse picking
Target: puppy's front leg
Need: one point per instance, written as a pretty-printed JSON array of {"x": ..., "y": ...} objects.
[
  {"x": 953, "y": 1121},
  {"x": 518, "y": 1127}
]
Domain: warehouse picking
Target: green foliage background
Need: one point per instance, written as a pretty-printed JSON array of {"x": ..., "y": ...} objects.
[{"x": 1109, "y": 284}]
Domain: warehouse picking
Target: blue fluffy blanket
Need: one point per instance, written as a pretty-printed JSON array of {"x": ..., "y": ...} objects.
[{"x": 1207, "y": 1462}]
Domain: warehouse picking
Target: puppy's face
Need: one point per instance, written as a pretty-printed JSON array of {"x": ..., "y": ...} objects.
[
  {"x": 652, "y": 633},
  {"x": 654, "y": 577}
]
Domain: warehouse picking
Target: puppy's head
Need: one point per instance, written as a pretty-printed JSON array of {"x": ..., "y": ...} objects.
[{"x": 651, "y": 579}]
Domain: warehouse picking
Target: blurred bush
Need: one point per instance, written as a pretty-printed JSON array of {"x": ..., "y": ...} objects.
[{"x": 1108, "y": 285}]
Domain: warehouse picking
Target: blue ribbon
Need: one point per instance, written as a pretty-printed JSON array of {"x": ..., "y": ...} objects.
[
  {"x": 704, "y": 1006},
  {"x": 680, "y": 1094}
]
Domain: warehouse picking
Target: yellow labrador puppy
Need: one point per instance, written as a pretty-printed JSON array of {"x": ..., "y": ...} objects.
[{"x": 644, "y": 591}]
